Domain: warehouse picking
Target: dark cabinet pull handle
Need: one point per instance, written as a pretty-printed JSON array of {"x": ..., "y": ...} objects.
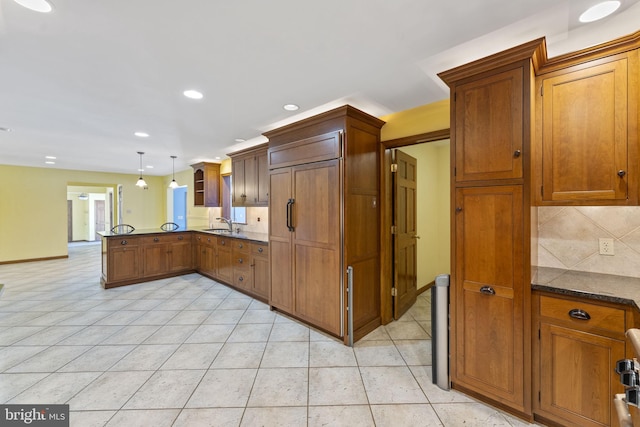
[
  {"x": 240, "y": 260},
  {"x": 240, "y": 246},
  {"x": 576, "y": 313},
  {"x": 240, "y": 279},
  {"x": 260, "y": 250},
  {"x": 290, "y": 214},
  {"x": 621, "y": 173},
  {"x": 179, "y": 237},
  {"x": 123, "y": 242},
  {"x": 222, "y": 242},
  {"x": 155, "y": 239},
  {"x": 458, "y": 209},
  {"x": 487, "y": 290},
  {"x": 517, "y": 153}
]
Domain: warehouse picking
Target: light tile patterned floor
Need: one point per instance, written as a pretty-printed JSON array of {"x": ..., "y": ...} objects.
[{"x": 188, "y": 351}]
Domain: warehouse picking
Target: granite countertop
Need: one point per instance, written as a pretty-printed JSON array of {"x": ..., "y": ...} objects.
[
  {"x": 596, "y": 286},
  {"x": 245, "y": 235}
]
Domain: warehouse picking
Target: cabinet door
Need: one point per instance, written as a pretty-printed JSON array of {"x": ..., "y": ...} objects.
[
  {"x": 585, "y": 133},
  {"x": 224, "y": 264},
  {"x": 238, "y": 196},
  {"x": 281, "y": 293},
  {"x": 124, "y": 262},
  {"x": 577, "y": 380},
  {"x": 250, "y": 181},
  {"x": 488, "y": 127},
  {"x": 487, "y": 301},
  {"x": 155, "y": 259},
  {"x": 316, "y": 244},
  {"x": 261, "y": 276},
  {"x": 181, "y": 258},
  {"x": 262, "y": 179}
]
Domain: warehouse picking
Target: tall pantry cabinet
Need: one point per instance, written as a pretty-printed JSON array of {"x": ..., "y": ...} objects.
[
  {"x": 491, "y": 132},
  {"x": 324, "y": 220}
]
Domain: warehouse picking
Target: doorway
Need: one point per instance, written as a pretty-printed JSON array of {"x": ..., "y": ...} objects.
[
  {"x": 428, "y": 240},
  {"x": 98, "y": 215},
  {"x": 180, "y": 207}
]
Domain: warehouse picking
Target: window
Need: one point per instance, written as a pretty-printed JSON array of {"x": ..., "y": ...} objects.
[{"x": 237, "y": 215}]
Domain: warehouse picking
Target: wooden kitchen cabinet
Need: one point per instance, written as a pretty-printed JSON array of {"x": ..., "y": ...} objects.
[
  {"x": 575, "y": 356},
  {"x": 123, "y": 260},
  {"x": 323, "y": 218},
  {"x": 491, "y": 132},
  {"x": 489, "y": 127},
  {"x": 260, "y": 265},
  {"x": 206, "y": 184},
  {"x": 241, "y": 262},
  {"x": 588, "y": 135},
  {"x": 205, "y": 254},
  {"x": 250, "y": 177},
  {"x": 223, "y": 259},
  {"x": 166, "y": 253},
  {"x": 489, "y": 292}
]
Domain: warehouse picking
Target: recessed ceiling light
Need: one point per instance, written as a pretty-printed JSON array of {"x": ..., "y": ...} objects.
[
  {"x": 50, "y": 157},
  {"x": 599, "y": 11},
  {"x": 240, "y": 140},
  {"x": 141, "y": 134},
  {"x": 49, "y": 162},
  {"x": 290, "y": 107},
  {"x": 5, "y": 129},
  {"x": 37, "y": 5},
  {"x": 149, "y": 167},
  {"x": 193, "y": 94},
  {"x": 217, "y": 157}
]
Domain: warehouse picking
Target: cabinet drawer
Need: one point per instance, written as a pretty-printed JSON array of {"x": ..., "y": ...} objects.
[
  {"x": 205, "y": 238},
  {"x": 600, "y": 317},
  {"x": 241, "y": 246},
  {"x": 241, "y": 260},
  {"x": 149, "y": 240},
  {"x": 242, "y": 279},
  {"x": 260, "y": 249},
  {"x": 123, "y": 241}
]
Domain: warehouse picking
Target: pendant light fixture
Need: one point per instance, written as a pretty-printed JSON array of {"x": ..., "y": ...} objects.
[
  {"x": 173, "y": 183},
  {"x": 141, "y": 182}
]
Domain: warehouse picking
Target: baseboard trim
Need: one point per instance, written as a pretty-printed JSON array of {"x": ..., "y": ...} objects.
[
  {"x": 426, "y": 287},
  {"x": 18, "y": 261}
]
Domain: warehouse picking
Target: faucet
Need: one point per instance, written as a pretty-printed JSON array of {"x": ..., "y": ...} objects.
[{"x": 229, "y": 223}]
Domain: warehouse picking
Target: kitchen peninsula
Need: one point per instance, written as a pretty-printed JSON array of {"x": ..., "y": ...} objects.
[{"x": 236, "y": 259}]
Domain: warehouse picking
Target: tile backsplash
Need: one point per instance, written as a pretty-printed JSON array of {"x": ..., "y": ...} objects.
[{"x": 568, "y": 237}]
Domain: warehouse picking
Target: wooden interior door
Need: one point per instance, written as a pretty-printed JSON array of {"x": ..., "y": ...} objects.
[
  {"x": 316, "y": 245},
  {"x": 405, "y": 238}
]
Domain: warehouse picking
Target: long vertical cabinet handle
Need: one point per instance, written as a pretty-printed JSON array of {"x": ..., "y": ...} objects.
[
  {"x": 290, "y": 214},
  {"x": 350, "y": 304}
]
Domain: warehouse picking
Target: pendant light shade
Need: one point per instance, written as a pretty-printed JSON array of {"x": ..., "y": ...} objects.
[
  {"x": 173, "y": 183},
  {"x": 141, "y": 182}
]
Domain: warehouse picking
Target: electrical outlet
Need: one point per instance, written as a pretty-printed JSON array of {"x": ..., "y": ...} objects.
[{"x": 606, "y": 246}]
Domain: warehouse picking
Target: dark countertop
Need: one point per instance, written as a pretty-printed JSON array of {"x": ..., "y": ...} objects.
[
  {"x": 596, "y": 286},
  {"x": 245, "y": 235}
]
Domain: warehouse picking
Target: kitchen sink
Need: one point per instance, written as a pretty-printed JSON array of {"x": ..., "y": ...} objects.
[{"x": 218, "y": 230}]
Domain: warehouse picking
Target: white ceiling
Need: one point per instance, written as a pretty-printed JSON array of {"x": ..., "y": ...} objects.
[{"x": 78, "y": 82}]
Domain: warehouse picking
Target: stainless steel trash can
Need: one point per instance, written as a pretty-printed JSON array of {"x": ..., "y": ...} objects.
[{"x": 440, "y": 331}]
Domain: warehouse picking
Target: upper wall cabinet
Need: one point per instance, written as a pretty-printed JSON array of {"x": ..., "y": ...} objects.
[
  {"x": 488, "y": 127},
  {"x": 206, "y": 184},
  {"x": 250, "y": 177},
  {"x": 587, "y": 136}
]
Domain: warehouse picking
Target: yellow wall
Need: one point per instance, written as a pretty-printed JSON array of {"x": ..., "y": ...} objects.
[
  {"x": 432, "y": 209},
  {"x": 423, "y": 119},
  {"x": 33, "y": 207}
]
